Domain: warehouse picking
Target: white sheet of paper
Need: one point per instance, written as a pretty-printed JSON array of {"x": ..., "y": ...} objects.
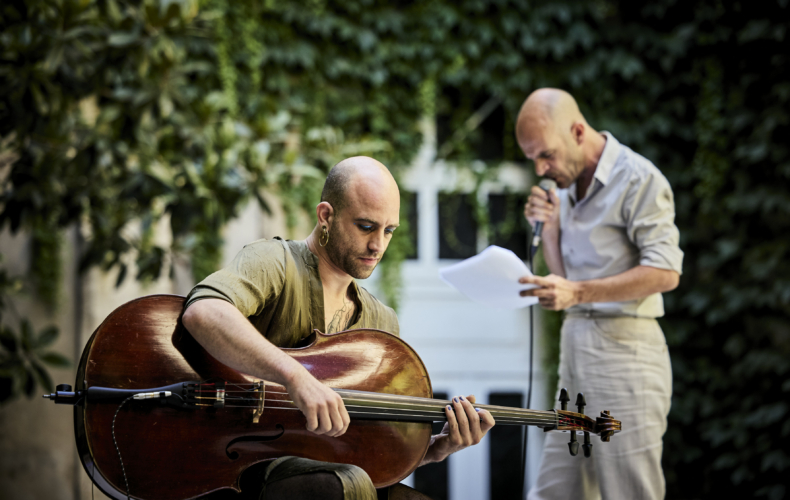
[{"x": 491, "y": 277}]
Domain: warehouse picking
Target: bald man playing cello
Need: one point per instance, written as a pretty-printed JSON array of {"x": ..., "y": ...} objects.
[
  {"x": 610, "y": 242},
  {"x": 276, "y": 292}
]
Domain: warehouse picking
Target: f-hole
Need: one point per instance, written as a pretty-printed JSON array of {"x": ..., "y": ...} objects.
[{"x": 234, "y": 455}]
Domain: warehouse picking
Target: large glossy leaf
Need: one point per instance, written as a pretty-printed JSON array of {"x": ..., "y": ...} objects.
[
  {"x": 26, "y": 335},
  {"x": 42, "y": 377},
  {"x": 122, "y": 39},
  {"x": 55, "y": 360},
  {"x": 8, "y": 340},
  {"x": 29, "y": 384},
  {"x": 47, "y": 336}
]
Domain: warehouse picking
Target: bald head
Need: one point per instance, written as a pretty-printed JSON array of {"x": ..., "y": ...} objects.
[
  {"x": 353, "y": 174},
  {"x": 358, "y": 213},
  {"x": 552, "y": 132},
  {"x": 547, "y": 108}
]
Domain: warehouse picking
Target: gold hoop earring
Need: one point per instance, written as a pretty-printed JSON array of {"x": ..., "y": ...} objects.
[{"x": 324, "y": 235}]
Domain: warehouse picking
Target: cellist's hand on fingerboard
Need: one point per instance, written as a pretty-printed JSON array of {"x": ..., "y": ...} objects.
[{"x": 466, "y": 426}]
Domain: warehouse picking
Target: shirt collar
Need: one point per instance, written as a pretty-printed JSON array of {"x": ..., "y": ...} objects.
[
  {"x": 608, "y": 158},
  {"x": 604, "y": 168},
  {"x": 309, "y": 258}
]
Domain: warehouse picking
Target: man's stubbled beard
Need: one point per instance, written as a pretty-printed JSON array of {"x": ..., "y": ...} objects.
[{"x": 341, "y": 252}]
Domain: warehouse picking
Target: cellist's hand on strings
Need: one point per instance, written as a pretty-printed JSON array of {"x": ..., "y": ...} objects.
[
  {"x": 465, "y": 427},
  {"x": 228, "y": 336},
  {"x": 322, "y": 407}
]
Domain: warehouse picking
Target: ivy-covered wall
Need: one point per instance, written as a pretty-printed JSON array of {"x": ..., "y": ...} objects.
[{"x": 114, "y": 111}]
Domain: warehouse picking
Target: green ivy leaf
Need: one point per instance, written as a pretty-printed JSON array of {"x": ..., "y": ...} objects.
[
  {"x": 122, "y": 269},
  {"x": 29, "y": 386},
  {"x": 42, "y": 377},
  {"x": 26, "y": 334},
  {"x": 8, "y": 340},
  {"x": 122, "y": 39},
  {"x": 55, "y": 360},
  {"x": 47, "y": 336}
]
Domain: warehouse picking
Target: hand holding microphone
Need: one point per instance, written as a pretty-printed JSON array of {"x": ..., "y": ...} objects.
[
  {"x": 543, "y": 212},
  {"x": 542, "y": 208}
]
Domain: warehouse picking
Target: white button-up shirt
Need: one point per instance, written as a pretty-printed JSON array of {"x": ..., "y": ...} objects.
[{"x": 626, "y": 219}]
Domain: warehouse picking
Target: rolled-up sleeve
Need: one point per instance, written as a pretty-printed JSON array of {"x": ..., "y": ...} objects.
[
  {"x": 649, "y": 210},
  {"x": 254, "y": 277}
]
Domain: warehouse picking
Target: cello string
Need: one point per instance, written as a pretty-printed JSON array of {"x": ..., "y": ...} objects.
[
  {"x": 394, "y": 410},
  {"x": 507, "y": 415},
  {"x": 407, "y": 401},
  {"x": 391, "y": 398},
  {"x": 421, "y": 418},
  {"x": 438, "y": 414},
  {"x": 429, "y": 404},
  {"x": 437, "y": 409},
  {"x": 403, "y": 406},
  {"x": 441, "y": 417},
  {"x": 386, "y": 412},
  {"x": 404, "y": 403}
]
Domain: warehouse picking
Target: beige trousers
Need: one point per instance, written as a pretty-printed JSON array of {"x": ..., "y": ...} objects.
[{"x": 621, "y": 364}]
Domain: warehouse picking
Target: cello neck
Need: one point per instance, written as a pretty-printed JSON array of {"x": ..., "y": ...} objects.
[{"x": 378, "y": 406}]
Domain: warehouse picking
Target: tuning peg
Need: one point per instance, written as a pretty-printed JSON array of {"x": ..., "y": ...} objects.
[
  {"x": 587, "y": 446},
  {"x": 573, "y": 446},
  {"x": 580, "y": 402},
  {"x": 564, "y": 398}
]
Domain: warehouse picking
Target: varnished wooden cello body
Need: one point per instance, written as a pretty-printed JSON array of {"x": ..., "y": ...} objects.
[{"x": 195, "y": 424}]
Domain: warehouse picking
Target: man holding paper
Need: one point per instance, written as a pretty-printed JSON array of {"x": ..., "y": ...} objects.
[{"x": 610, "y": 242}]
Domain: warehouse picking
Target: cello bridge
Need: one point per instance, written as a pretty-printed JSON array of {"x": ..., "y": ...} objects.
[{"x": 261, "y": 390}]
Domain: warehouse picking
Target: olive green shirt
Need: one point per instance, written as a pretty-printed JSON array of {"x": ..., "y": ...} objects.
[{"x": 276, "y": 285}]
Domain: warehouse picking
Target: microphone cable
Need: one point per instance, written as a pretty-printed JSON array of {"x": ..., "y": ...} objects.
[
  {"x": 547, "y": 185},
  {"x": 531, "y": 323},
  {"x": 146, "y": 395}
]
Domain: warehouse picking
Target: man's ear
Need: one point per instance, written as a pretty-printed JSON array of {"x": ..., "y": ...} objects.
[
  {"x": 577, "y": 131},
  {"x": 324, "y": 213}
]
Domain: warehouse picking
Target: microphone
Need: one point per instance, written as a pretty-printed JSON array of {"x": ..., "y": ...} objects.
[{"x": 547, "y": 185}]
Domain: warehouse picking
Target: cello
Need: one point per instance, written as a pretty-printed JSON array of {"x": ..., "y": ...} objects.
[{"x": 157, "y": 417}]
